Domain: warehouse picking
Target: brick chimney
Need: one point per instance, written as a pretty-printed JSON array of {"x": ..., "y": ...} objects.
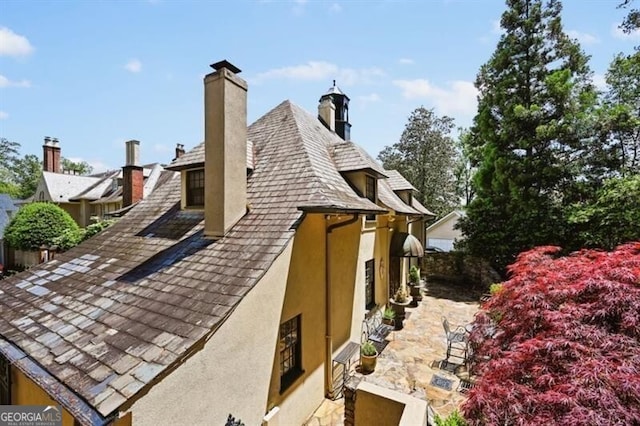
[
  {"x": 132, "y": 177},
  {"x": 225, "y": 136},
  {"x": 51, "y": 155},
  {"x": 179, "y": 150}
]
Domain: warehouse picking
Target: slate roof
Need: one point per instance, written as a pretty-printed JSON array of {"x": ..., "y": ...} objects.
[
  {"x": 111, "y": 315},
  {"x": 195, "y": 158},
  {"x": 391, "y": 200},
  {"x": 7, "y": 208},
  {"x": 63, "y": 186},
  {"x": 397, "y": 182},
  {"x": 348, "y": 157}
]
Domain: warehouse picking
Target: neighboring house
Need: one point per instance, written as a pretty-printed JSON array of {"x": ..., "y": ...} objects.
[
  {"x": 7, "y": 210},
  {"x": 229, "y": 290},
  {"x": 97, "y": 195},
  {"x": 442, "y": 234}
]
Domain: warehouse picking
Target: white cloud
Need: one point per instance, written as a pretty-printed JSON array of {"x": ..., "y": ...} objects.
[
  {"x": 3, "y": 115},
  {"x": 5, "y": 82},
  {"x": 320, "y": 70},
  {"x": 599, "y": 81},
  {"x": 372, "y": 97},
  {"x": 617, "y": 32},
  {"x": 458, "y": 98},
  {"x": 335, "y": 8},
  {"x": 406, "y": 61},
  {"x": 134, "y": 66},
  {"x": 584, "y": 38},
  {"x": 12, "y": 44}
]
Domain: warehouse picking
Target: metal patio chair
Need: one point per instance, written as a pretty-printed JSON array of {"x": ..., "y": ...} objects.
[{"x": 456, "y": 340}]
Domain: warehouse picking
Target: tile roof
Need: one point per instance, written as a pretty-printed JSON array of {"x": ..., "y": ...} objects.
[
  {"x": 348, "y": 156},
  {"x": 397, "y": 182},
  {"x": 109, "y": 316}
]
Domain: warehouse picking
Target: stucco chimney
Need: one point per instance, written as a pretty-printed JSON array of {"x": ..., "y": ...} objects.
[
  {"x": 327, "y": 113},
  {"x": 51, "y": 155},
  {"x": 225, "y": 136},
  {"x": 132, "y": 177}
]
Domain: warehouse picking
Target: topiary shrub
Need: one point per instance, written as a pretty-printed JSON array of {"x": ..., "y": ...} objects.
[{"x": 38, "y": 224}]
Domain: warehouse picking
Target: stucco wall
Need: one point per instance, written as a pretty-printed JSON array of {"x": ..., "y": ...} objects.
[{"x": 231, "y": 374}]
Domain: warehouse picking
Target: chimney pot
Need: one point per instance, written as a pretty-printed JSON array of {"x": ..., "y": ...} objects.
[
  {"x": 132, "y": 153},
  {"x": 179, "y": 150}
]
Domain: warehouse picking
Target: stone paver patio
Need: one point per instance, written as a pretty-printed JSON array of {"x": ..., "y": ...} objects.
[{"x": 413, "y": 354}]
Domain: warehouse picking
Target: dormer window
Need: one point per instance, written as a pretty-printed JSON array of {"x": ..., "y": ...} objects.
[
  {"x": 195, "y": 188},
  {"x": 370, "y": 192}
]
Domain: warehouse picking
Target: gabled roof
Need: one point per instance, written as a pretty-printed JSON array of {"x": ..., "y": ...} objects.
[
  {"x": 391, "y": 200},
  {"x": 397, "y": 182},
  {"x": 350, "y": 157},
  {"x": 62, "y": 186},
  {"x": 109, "y": 316},
  {"x": 453, "y": 215},
  {"x": 97, "y": 189}
]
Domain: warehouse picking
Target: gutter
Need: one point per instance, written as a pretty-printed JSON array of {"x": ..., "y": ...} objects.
[{"x": 328, "y": 365}]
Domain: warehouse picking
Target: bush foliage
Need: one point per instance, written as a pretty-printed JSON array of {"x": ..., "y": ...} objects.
[
  {"x": 38, "y": 224},
  {"x": 560, "y": 343}
]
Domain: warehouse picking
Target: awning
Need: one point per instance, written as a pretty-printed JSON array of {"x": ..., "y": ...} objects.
[{"x": 405, "y": 245}]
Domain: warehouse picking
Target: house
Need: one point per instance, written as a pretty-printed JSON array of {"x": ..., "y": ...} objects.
[
  {"x": 442, "y": 234},
  {"x": 7, "y": 210},
  {"x": 97, "y": 195},
  {"x": 230, "y": 290}
]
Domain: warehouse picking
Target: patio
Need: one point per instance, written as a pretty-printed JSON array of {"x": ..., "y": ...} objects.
[{"x": 411, "y": 361}]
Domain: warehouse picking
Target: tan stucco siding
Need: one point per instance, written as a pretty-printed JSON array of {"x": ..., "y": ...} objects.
[
  {"x": 25, "y": 391},
  {"x": 231, "y": 374},
  {"x": 366, "y": 251},
  {"x": 305, "y": 296}
]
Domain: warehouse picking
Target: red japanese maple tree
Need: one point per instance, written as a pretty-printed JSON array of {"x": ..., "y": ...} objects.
[{"x": 560, "y": 342}]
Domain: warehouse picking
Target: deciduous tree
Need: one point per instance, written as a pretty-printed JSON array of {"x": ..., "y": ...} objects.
[
  {"x": 426, "y": 157},
  {"x": 560, "y": 342},
  {"x": 78, "y": 167}
]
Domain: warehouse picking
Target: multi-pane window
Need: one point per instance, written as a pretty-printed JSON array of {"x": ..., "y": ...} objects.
[
  {"x": 195, "y": 188},
  {"x": 370, "y": 283},
  {"x": 370, "y": 192},
  {"x": 290, "y": 352},
  {"x": 5, "y": 381}
]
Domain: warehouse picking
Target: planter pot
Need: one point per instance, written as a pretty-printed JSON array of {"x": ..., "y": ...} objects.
[
  {"x": 388, "y": 321},
  {"x": 398, "y": 308},
  {"x": 416, "y": 294},
  {"x": 368, "y": 363}
]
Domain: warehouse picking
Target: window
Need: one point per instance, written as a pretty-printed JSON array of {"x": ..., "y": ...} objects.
[
  {"x": 195, "y": 188},
  {"x": 5, "y": 381},
  {"x": 370, "y": 193},
  {"x": 370, "y": 283},
  {"x": 290, "y": 352}
]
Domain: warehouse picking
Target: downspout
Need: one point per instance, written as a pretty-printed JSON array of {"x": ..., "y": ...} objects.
[{"x": 328, "y": 366}]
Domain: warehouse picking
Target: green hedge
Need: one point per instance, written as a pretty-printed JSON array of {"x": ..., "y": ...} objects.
[{"x": 38, "y": 224}]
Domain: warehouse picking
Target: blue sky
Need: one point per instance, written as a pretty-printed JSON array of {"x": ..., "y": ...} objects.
[{"x": 97, "y": 73}]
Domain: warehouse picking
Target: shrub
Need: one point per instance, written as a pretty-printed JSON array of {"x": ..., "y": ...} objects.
[
  {"x": 414, "y": 274},
  {"x": 453, "y": 419},
  {"x": 367, "y": 349},
  {"x": 566, "y": 347},
  {"x": 38, "y": 224},
  {"x": 97, "y": 227}
]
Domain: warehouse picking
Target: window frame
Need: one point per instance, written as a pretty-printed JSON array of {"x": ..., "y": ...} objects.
[
  {"x": 370, "y": 284},
  {"x": 371, "y": 192},
  {"x": 292, "y": 351},
  {"x": 190, "y": 198}
]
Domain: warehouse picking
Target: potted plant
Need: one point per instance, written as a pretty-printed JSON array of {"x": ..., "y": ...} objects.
[
  {"x": 399, "y": 301},
  {"x": 388, "y": 316},
  {"x": 414, "y": 285},
  {"x": 368, "y": 357}
]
